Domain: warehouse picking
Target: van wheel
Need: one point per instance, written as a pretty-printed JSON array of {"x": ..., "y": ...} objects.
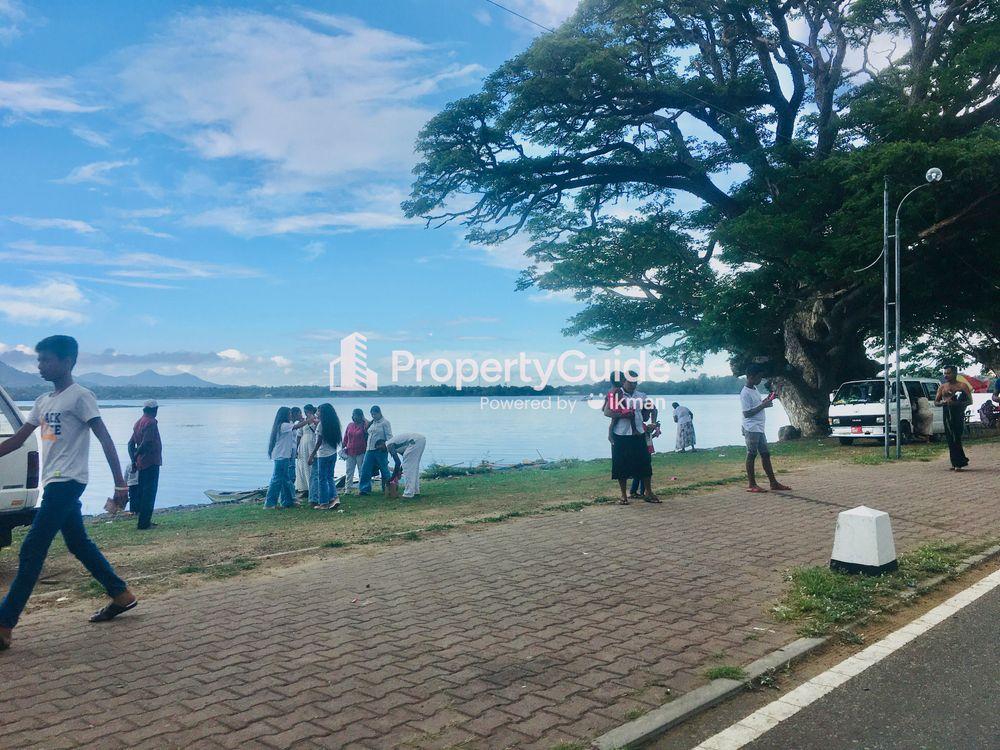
[
  {"x": 846, "y": 441},
  {"x": 907, "y": 431}
]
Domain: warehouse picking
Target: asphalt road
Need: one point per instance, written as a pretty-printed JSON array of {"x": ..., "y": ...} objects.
[{"x": 941, "y": 691}]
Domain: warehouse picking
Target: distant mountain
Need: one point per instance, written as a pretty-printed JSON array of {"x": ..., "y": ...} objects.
[
  {"x": 146, "y": 378},
  {"x": 11, "y": 377}
]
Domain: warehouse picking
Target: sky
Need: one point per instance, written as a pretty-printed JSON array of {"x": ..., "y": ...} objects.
[{"x": 214, "y": 187}]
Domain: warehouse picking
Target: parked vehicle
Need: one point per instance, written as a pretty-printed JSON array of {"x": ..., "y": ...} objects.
[
  {"x": 19, "y": 472},
  {"x": 857, "y": 410}
]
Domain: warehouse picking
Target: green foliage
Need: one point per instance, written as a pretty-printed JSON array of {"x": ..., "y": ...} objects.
[
  {"x": 725, "y": 672},
  {"x": 587, "y": 140}
]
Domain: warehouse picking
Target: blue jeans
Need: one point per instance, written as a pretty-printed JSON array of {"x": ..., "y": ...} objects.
[
  {"x": 281, "y": 484},
  {"x": 60, "y": 511},
  {"x": 314, "y": 483},
  {"x": 325, "y": 483},
  {"x": 373, "y": 460},
  {"x": 638, "y": 486}
]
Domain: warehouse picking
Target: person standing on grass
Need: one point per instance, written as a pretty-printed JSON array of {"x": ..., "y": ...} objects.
[
  {"x": 752, "y": 406},
  {"x": 376, "y": 454},
  {"x": 630, "y": 457},
  {"x": 304, "y": 472},
  {"x": 281, "y": 450},
  {"x": 955, "y": 397},
  {"x": 146, "y": 451},
  {"x": 353, "y": 452},
  {"x": 685, "y": 427},
  {"x": 324, "y": 457},
  {"x": 66, "y": 417}
]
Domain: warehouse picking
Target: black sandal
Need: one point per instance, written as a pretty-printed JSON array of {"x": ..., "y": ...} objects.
[
  {"x": 654, "y": 500},
  {"x": 110, "y": 612}
]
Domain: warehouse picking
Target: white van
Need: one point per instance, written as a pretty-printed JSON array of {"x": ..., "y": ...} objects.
[
  {"x": 18, "y": 473},
  {"x": 857, "y": 410}
]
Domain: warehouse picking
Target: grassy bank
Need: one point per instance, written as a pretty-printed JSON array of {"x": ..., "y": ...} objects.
[{"x": 224, "y": 540}]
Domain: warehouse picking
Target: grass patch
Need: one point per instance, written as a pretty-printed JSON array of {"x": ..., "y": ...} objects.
[
  {"x": 440, "y": 471},
  {"x": 725, "y": 672},
  {"x": 411, "y": 536},
  {"x": 634, "y": 713},
  {"x": 821, "y": 600},
  {"x": 230, "y": 569},
  {"x": 335, "y": 544},
  {"x": 439, "y": 527}
]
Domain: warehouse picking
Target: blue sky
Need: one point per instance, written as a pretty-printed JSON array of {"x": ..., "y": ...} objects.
[{"x": 214, "y": 187}]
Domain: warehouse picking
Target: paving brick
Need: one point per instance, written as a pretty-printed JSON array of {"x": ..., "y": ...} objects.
[{"x": 503, "y": 637}]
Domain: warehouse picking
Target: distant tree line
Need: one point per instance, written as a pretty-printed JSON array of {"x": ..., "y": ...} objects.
[{"x": 703, "y": 384}]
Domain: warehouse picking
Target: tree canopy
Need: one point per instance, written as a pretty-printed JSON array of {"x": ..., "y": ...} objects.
[{"x": 707, "y": 176}]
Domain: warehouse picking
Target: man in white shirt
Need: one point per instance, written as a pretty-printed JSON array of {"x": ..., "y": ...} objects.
[
  {"x": 66, "y": 417},
  {"x": 406, "y": 450},
  {"x": 753, "y": 405},
  {"x": 376, "y": 454}
]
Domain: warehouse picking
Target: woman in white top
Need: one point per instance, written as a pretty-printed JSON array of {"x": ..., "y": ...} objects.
[
  {"x": 281, "y": 450},
  {"x": 324, "y": 455}
]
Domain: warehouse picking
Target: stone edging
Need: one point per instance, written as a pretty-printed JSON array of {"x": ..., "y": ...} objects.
[{"x": 650, "y": 725}]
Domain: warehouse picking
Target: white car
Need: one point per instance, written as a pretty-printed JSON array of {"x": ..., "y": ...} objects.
[{"x": 19, "y": 473}]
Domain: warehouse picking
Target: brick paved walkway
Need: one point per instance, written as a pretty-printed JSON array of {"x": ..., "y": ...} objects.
[{"x": 528, "y": 634}]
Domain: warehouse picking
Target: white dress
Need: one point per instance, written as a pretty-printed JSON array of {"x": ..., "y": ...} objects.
[{"x": 410, "y": 446}]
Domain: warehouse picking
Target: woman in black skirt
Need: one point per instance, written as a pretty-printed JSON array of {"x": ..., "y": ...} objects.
[{"x": 629, "y": 454}]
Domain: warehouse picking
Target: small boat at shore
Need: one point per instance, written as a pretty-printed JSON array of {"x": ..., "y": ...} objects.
[{"x": 236, "y": 496}]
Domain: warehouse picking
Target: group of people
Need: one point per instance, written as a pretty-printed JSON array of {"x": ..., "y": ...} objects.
[
  {"x": 304, "y": 446},
  {"x": 634, "y": 425}
]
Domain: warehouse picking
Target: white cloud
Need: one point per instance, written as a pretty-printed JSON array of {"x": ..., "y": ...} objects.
[
  {"x": 22, "y": 348},
  {"x": 46, "y": 302},
  {"x": 140, "y": 229},
  {"x": 314, "y": 250},
  {"x": 314, "y": 97},
  {"x": 128, "y": 265},
  {"x": 96, "y": 172},
  {"x": 283, "y": 362},
  {"x": 244, "y": 222},
  {"x": 548, "y": 13},
  {"x": 233, "y": 355},
  {"x": 37, "y": 97},
  {"x": 12, "y": 17},
  {"x": 72, "y": 225}
]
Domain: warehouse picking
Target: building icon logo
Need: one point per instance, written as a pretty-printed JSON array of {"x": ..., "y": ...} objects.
[{"x": 349, "y": 371}]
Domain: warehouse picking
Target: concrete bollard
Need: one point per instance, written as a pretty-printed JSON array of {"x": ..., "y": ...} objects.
[{"x": 863, "y": 542}]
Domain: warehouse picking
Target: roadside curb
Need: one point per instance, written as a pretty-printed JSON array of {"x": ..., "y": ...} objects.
[{"x": 650, "y": 725}]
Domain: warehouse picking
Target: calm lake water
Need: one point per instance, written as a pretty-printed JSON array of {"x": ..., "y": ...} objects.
[{"x": 221, "y": 444}]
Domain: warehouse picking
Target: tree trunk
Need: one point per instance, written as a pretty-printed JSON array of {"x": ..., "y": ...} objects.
[{"x": 823, "y": 348}]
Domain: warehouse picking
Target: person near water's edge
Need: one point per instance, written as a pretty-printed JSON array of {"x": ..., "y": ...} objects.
[
  {"x": 146, "y": 451},
  {"x": 630, "y": 458},
  {"x": 66, "y": 417},
  {"x": 376, "y": 454},
  {"x": 955, "y": 396},
  {"x": 753, "y": 406}
]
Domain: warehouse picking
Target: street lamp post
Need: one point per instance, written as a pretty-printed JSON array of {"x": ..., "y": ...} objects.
[{"x": 933, "y": 175}]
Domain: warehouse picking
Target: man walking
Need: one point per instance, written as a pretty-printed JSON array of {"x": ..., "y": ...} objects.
[
  {"x": 955, "y": 397},
  {"x": 146, "y": 452},
  {"x": 376, "y": 454},
  {"x": 753, "y": 407},
  {"x": 66, "y": 416}
]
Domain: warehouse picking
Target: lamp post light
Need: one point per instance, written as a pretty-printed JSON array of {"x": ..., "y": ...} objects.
[{"x": 933, "y": 175}]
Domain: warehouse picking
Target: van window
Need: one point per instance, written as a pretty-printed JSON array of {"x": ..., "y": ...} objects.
[
  {"x": 931, "y": 390},
  {"x": 865, "y": 392},
  {"x": 913, "y": 389},
  {"x": 9, "y": 421}
]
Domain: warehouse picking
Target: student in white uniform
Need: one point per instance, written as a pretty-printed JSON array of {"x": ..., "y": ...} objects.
[
  {"x": 66, "y": 416},
  {"x": 407, "y": 449},
  {"x": 305, "y": 474}
]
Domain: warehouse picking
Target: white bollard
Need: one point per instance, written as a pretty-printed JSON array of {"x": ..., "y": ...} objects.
[{"x": 863, "y": 542}]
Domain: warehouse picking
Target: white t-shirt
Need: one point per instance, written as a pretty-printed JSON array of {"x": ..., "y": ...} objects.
[
  {"x": 65, "y": 433},
  {"x": 380, "y": 430},
  {"x": 635, "y": 400},
  {"x": 284, "y": 446},
  {"x": 683, "y": 415},
  {"x": 750, "y": 398},
  {"x": 325, "y": 450}
]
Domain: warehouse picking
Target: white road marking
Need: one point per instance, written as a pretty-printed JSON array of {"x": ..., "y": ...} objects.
[{"x": 766, "y": 718}]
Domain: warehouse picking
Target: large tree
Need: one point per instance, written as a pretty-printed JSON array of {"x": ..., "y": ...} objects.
[{"x": 707, "y": 176}]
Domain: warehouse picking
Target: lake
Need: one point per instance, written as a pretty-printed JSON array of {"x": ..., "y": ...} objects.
[{"x": 221, "y": 444}]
